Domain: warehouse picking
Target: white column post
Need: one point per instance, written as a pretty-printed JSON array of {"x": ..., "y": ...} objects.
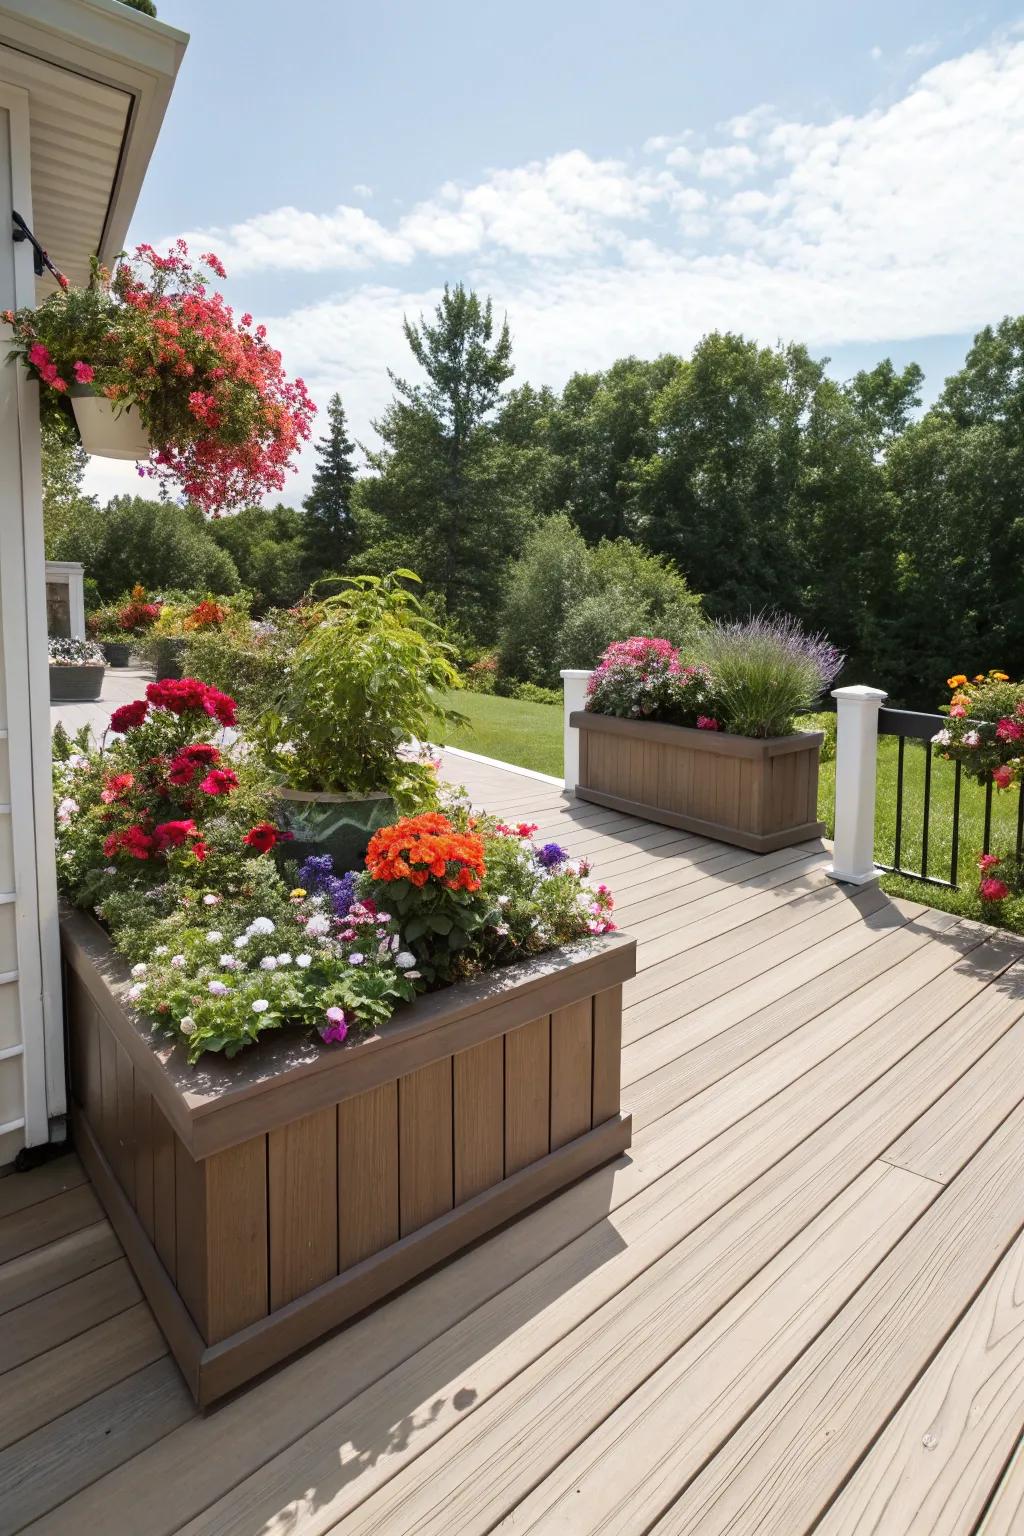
[
  {"x": 853, "y": 850},
  {"x": 574, "y": 697}
]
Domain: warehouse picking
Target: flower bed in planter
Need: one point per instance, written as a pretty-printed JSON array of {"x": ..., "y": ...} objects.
[
  {"x": 76, "y": 671},
  {"x": 760, "y": 794},
  {"x": 265, "y": 1200},
  {"x": 710, "y": 746}
]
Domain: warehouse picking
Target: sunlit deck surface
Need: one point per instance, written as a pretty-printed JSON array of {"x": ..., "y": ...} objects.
[{"x": 797, "y": 1305}]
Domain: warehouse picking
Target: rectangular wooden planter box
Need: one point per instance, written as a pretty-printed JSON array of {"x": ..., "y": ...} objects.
[
  {"x": 264, "y": 1201},
  {"x": 758, "y": 794}
]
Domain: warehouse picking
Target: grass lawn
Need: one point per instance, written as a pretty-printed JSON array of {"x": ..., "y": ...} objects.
[{"x": 531, "y": 736}]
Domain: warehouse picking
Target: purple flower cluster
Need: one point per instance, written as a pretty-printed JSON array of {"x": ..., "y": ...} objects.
[
  {"x": 551, "y": 855},
  {"x": 317, "y": 876}
]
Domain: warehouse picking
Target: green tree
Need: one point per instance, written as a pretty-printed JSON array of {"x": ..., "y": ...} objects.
[
  {"x": 268, "y": 547},
  {"x": 161, "y": 545},
  {"x": 445, "y": 493},
  {"x": 329, "y": 530},
  {"x": 64, "y": 506},
  {"x": 565, "y": 602},
  {"x": 956, "y": 479},
  {"x": 886, "y": 400},
  {"x": 599, "y": 435}
]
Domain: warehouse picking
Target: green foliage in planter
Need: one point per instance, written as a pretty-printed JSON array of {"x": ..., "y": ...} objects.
[
  {"x": 145, "y": 6},
  {"x": 359, "y": 688}
]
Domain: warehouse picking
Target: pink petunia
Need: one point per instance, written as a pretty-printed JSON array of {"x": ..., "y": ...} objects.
[{"x": 84, "y": 374}]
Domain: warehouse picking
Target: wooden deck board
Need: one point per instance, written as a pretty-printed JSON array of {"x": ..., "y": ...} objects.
[{"x": 823, "y": 1087}]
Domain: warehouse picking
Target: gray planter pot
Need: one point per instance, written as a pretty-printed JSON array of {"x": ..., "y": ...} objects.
[
  {"x": 117, "y": 652},
  {"x": 340, "y": 825},
  {"x": 167, "y": 656},
  {"x": 76, "y": 685}
]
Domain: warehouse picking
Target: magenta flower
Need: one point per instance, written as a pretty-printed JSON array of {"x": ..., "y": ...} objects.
[{"x": 336, "y": 1028}]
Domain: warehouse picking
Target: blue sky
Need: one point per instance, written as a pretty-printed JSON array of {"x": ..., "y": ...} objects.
[{"x": 621, "y": 175}]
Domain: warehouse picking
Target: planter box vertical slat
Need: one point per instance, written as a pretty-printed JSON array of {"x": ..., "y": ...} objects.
[
  {"x": 266, "y": 1200},
  {"x": 757, "y": 794}
]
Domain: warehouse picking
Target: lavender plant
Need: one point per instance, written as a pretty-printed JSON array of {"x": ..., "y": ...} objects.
[{"x": 766, "y": 670}]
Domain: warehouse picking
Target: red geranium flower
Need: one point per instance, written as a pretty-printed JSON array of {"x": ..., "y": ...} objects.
[
  {"x": 219, "y": 781},
  {"x": 133, "y": 841},
  {"x": 199, "y": 850},
  {"x": 172, "y": 834},
  {"x": 117, "y": 787},
  {"x": 262, "y": 837},
  {"x": 187, "y": 763},
  {"x": 128, "y": 715}
]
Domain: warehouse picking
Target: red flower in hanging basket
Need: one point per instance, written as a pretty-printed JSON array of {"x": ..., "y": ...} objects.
[{"x": 223, "y": 419}]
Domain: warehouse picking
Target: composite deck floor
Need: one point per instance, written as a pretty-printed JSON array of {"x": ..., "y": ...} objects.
[{"x": 797, "y": 1305}]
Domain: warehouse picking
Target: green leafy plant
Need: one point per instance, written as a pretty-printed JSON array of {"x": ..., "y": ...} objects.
[{"x": 358, "y": 690}]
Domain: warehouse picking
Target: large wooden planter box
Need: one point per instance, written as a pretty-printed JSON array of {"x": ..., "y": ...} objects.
[
  {"x": 758, "y": 794},
  {"x": 265, "y": 1200}
]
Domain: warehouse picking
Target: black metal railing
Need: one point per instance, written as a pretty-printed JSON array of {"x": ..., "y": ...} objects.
[{"x": 908, "y": 725}]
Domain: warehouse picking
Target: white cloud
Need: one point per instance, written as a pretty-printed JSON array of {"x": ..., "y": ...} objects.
[
  {"x": 731, "y": 162},
  {"x": 887, "y": 225},
  {"x": 362, "y": 190},
  {"x": 293, "y": 240}
]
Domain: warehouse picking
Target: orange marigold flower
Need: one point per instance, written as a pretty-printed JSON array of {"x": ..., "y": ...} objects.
[
  {"x": 956, "y": 681},
  {"x": 420, "y": 847}
]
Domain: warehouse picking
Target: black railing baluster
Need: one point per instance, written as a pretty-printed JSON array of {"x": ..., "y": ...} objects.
[
  {"x": 988, "y": 818},
  {"x": 910, "y": 725},
  {"x": 955, "y": 856},
  {"x": 899, "y": 803},
  {"x": 927, "y": 808}
]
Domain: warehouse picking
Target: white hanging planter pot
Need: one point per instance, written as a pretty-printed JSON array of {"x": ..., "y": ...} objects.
[{"x": 107, "y": 431}]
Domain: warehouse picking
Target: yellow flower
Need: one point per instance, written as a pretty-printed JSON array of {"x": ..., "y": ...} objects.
[
  {"x": 1001, "y": 677},
  {"x": 979, "y": 677},
  {"x": 957, "y": 681},
  {"x": 298, "y": 893}
]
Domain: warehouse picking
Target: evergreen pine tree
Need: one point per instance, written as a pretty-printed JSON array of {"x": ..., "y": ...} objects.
[{"x": 329, "y": 530}]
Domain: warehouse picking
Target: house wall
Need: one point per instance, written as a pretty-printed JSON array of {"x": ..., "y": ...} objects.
[{"x": 32, "y": 1093}]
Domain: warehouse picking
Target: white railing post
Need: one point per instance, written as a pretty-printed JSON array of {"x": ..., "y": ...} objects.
[
  {"x": 574, "y": 696},
  {"x": 853, "y": 849}
]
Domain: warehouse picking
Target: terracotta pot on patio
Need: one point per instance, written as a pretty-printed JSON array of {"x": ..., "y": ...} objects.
[
  {"x": 75, "y": 685},
  {"x": 264, "y": 1200},
  {"x": 108, "y": 432},
  {"x": 756, "y": 793},
  {"x": 338, "y": 824}
]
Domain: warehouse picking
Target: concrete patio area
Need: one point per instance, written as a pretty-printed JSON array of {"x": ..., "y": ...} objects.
[{"x": 796, "y": 1305}]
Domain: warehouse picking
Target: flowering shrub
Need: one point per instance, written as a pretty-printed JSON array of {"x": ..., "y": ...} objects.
[
  {"x": 165, "y": 833},
  {"x": 74, "y": 653},
  {"x": 223, "y": 419},
  {"x": 753, "y": 680},
  {"x": 643, "y": 679},
  {"x": 159, "y": 800},
  {"x": 986, "y": 727}
]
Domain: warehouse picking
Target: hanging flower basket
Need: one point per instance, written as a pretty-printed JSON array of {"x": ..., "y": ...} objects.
[
  {"x": 157, "y": 369},
  {"x": 106, "y": 432}
]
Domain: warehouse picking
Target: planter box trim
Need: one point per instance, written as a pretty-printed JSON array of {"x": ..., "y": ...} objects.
[
  {"x": 683, "y": 735},
  {"x": 219, "y": 1102}
]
